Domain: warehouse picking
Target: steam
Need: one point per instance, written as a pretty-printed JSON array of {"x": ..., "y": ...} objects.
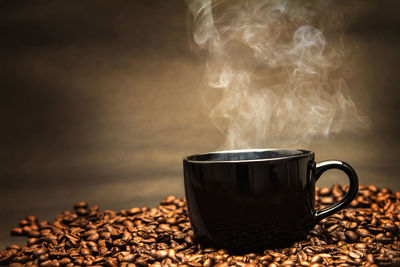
[{"x": 276, "y": 76}]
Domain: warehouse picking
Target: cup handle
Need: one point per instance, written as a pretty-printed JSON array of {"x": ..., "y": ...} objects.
[{"x": 323, "y": 166}]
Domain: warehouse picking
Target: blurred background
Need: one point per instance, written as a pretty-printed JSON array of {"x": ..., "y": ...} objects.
[{"x": 100, "y": 101}]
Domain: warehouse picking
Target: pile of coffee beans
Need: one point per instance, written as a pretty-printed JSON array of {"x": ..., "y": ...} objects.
[{"x": 364, "y": 234}]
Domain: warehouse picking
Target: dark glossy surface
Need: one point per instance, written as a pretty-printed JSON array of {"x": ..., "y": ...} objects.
[
  {"x": 253, "y": 203},
  {"x": 323, "y": 166}
]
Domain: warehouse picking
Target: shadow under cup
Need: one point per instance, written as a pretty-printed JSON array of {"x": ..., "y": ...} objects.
[{"x": 246, "y": 200}]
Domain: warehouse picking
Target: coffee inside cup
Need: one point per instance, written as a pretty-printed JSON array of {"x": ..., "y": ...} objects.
[{"x": 239, "y": 155}]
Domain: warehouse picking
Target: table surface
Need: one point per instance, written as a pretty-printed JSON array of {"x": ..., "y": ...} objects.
[{"x": 101, "y": 103}]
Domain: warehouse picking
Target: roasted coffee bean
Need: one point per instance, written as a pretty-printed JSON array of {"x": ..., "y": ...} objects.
[
  {"x": 208, "y": 262},
  {"x": 50, "y": 263},
  {"x": 341, "y": 236},
  {"x": 141, "y": 262},
  {"x": 160, "y": 254},
  {"x": 391, "y": 227},
  {"x": 39, "y": 251},
  {"x": 93, "y": 237},
  {"x": 82, "y": 212},
  {"x": 362, "y": 232},
  {"x": 356, "y": 254},
  {"x": 382, "y": 238},
  {"x": 127, "y": 258},
  {"x": 13, "y": 246},
  {"x": 327, "y": 200},
  {"x": 17, "y": 231},
  {"x": 81, "y": 205},
  {"x": 325, "y": 191},
  {"x": 6, "y": 257},
  {"x": 349, "y": 225},
  {"x": 332, "y": 228},
  {"x": 351, "y": 236},
  {"x": 134, "y": 211},
  {"x": 316, "y": 259},
  {"x": 365, "y": 234},
  {"x": 65, "y": 261}
]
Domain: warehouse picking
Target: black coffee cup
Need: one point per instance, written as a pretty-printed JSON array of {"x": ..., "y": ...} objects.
[{"x": 256, "y": 199}]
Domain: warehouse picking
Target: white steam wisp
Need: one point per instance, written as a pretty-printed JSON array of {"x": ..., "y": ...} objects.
[{"x": 276, "y": 76}]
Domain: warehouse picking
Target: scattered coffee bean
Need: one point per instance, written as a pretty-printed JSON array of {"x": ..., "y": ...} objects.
[
  {"x": 17, "y": 231},
  {"x": 351, "y": 236},
  {"x": 82, "y": 212},
  {"x": 80, "y": 205},
  {"x": 325, "y": 191},
  {"x": 365, "y": 234}
]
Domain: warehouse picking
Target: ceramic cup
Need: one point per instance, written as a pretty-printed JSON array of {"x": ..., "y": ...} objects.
[{"x": 257, "y": 199}]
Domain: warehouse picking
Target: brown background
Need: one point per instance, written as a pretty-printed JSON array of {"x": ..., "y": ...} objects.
[{"x": 99, "y": 101}]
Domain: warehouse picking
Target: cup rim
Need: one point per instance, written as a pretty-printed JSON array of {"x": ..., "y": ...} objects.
[{"x": 303, "y": 154}]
